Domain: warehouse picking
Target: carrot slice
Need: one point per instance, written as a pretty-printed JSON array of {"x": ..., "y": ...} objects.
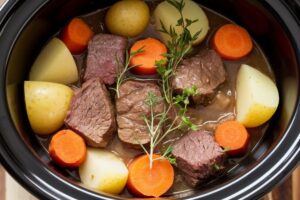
[
  {"x": 233, "y": 136},
  {"x": 76, "y": 35},
  {"x": 232, "y": 42},
  {"x": 145, "y": 61},
  {"x": 143, "y": 181},
  {"x": 67, "y": 149}
]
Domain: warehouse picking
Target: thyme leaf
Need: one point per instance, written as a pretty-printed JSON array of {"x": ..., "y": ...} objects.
[
  {"x": 168, "y": 155},
  {"x": 226, "y": 149},
  {"x": 216, "y": 167}
]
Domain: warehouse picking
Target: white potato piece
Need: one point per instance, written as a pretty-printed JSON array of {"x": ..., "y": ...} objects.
[
  {"x": 127, "y": 18},
  {"x": 55, "y": 63},
  {"x": 169, "y": 15},
  {"x": 103, "y": 171},
  {"x": 46, "y": 105},
  {"x": 257, "y": 97}
]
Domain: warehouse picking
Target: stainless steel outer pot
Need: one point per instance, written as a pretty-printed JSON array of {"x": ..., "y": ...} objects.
[{"x": 26, "y": 26}]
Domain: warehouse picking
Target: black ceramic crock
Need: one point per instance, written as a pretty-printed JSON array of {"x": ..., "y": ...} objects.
[{"x": 26, "y": 25}]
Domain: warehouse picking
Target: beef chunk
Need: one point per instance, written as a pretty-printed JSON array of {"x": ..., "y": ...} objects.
[
  {"x": 131, "y": 108},
  {"x": 197, "y": 154},
  {"x": 105, "y": 57},
  {"x": 205, "y": 71},
  {"x": 91, "y": 113}
]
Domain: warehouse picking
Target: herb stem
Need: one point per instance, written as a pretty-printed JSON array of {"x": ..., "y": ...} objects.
[
  {"x": 151, "y": 153},
  {"x": 121, "y": 77}
]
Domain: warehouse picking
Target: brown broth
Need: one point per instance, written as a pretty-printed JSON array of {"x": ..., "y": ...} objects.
[{"x": 222, "y": 106}]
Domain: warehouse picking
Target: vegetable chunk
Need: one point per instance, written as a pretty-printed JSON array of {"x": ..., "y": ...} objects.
[
  {"x": 233, "y": 136},
  {"x": 168, "y": 15},
  {"x": 67, "y": 149},
  {"x": 257, "y": 97},
  {"x": 55, "y": 63},
  {"x": 76, "y": 35},
  {"x": 232, "y": 42},
  {"x": 46, "y": 105},
  {"x": 127, "y": 18},
  {"x": 144, "y": 62},
  {"x": 151, "y": 182},
  {"x": 103, "y": 171}
]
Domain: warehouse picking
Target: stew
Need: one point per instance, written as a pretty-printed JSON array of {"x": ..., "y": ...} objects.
[{"x": 167, "y": 97}]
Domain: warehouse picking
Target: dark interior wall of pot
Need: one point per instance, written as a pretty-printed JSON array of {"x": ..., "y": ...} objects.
[{"x": 262, "y": 23}]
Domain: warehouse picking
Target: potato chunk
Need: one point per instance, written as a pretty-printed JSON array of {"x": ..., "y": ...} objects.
[
  {"x": 257, "y": 97},
  {"x": 55, "y": 63},
  {"x": 103, "y": 171},
  {"x": 169, "y": 15},
  {"x": 127, "y": 18},
  {"x": 46, "y": 105}
]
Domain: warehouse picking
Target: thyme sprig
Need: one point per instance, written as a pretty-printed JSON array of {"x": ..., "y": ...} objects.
[
  {"x": 179, "y": 45},
  {"x": 156, "y": 121},
  {"x": 121, "y": 74}
]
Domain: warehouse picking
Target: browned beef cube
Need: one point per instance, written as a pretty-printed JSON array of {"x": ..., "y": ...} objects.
[
  {"x": 196, "y": 155},
  {"x": 105, "y": 57},
  {"x": 131, "y": 108},
  {"x": 91, "y": 113},
  {"x": 205, "y": 71}
]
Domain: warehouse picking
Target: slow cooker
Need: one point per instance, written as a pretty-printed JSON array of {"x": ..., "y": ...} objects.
[{"x": 26, "y": 26}]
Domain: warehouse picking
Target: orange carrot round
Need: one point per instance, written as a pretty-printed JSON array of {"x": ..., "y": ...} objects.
[
  {"x": 76, "y": 35},
  {"x": 233, "y": 136},
  {"x": 232, "y": 42},
  {"x": 67, "y": 149},
  {"x": 143, "y": 181},
  {"x": 145, "y": 61}
]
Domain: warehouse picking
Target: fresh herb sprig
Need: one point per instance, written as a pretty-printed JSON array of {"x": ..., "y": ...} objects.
[
  {"x": 156, "y": 124},
  {"x": 121, "y": 74},
  {"x": 179, "y": 45}
]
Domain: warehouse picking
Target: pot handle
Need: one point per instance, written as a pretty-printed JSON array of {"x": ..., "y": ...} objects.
[{"x": 6, "y": 9}]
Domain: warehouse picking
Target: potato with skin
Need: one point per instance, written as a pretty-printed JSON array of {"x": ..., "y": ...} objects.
[
  {"x": 55, "y": 63},
  {"x": 169, "y": 15},
  {"x": 103, "y": 171},
  {"x": 257, "y": 97},
  {"x": 46, "y": 105},
  {"x": 127, "y": 18}
]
